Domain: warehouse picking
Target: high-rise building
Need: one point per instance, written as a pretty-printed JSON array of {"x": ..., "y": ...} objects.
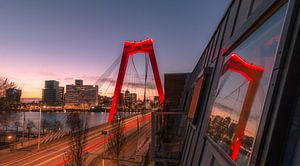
[
  {"x": 104, "y": 101},
  {"x": 62, "y": 94},
  {"x": 121, "y": 100},
  {"x": 133, "y": 100},
  {"x": 127, "y": 99},
  {"x": 81, "y": 96},
  {"x": 13, "y": 94},
  {"x": 51, "y": 92}
]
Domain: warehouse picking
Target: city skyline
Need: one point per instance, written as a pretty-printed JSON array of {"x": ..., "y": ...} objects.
[
  {"x": 81, "y": 40},
  {"x": 157, "y": 82},
  {"x": 138, "y": 91}
]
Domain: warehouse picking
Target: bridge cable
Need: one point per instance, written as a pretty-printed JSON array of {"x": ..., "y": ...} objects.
[
  {"x": 146, "y": 76},
  {"x": 105, "y": 76}
]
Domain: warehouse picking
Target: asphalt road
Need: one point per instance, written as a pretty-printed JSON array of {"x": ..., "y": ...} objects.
[{"x": 53, "y": 153}]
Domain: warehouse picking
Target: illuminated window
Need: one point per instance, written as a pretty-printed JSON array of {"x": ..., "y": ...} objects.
[
  {"x": 242, "y": 90},
  {"x": 196, "y": 94}
]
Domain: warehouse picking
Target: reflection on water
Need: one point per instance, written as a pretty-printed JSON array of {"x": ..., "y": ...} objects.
[{"x": 50, "y": 120}]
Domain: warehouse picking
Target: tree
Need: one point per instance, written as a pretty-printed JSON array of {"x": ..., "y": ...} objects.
[
  {"x": 116, "y": 140},
  {"x": 46, "y": 125},
  {"x": 78, "y": 138},
  {"x": 30, "y": 125},
  {"x": 7, "y": 107},
  {"x": 57, "y": 125},
  {"x": 6, "y": 119},
  {"x": 5, "y": 104},
  {"x": 5, "y": 84},
  {"x": 17, "y": 125}
]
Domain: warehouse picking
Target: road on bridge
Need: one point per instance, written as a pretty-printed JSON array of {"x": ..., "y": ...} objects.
[{"x": 53, "y": 153}]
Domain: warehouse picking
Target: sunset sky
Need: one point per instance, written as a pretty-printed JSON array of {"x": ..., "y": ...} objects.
[{"x": 68, "y": 39}]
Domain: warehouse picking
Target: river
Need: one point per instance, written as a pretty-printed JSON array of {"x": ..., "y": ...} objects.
[{"x": 51, "y": 119}]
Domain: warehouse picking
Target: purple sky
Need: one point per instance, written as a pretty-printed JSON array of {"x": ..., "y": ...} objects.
[{"x": 68, "y": 39}]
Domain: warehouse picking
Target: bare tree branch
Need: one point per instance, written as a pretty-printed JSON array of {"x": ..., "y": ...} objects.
[
  {"x": 116, "y": 140},
  {"x": 78, "y": 137}
]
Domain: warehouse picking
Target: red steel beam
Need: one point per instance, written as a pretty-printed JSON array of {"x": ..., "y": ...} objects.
[{"x": 131, "y": 48}]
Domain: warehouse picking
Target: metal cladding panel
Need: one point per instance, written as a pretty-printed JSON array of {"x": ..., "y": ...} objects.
[
  {"x": 209, "y": 52},
  {"x": 218, "y": 50},
  {"x": 256, "y": 3},
  {"x": 198, "y": 150},
  {"x": 192, "y": 149},
  {"x": 184, "y": 148},
  {"x": 188, "y": 145},
  {"x": 202, "y": 63},
  {"x": 243, "y": 14},
  {"x": 208, "y": 156},
  {"x": 206, "y": 56},
  {"x": 231, "y": 21}
]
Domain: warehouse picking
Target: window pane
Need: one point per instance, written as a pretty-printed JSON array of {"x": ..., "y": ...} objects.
[
  {"x": 242, "y": 90},
  {"x": 195, "y": 98}
]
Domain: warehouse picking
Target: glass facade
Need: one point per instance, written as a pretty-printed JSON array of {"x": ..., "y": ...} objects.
[{"x": 242, "y": 90}]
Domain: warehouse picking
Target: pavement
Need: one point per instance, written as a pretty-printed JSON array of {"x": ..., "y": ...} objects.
[{"x": 53, "y": 153}]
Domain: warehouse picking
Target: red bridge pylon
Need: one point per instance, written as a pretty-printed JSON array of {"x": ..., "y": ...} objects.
[{"x": 131, "y": 48}]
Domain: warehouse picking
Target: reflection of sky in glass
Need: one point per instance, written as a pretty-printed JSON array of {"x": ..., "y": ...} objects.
[
  {"x": 259, "y": 49},
  {"x": 231, "y": 98}
]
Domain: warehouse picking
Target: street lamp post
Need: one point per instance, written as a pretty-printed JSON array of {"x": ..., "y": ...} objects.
[{"x": 39, "y": 126}]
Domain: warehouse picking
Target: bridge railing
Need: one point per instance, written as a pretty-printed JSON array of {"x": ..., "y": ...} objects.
[
  {"x": 51, "y": 136},
  {"x": 167, "y": 135}
]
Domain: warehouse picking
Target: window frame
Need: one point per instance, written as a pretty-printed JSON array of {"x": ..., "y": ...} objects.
[
  {"x": 198, "y": 110},
  {"x": 252, "y": 25}
]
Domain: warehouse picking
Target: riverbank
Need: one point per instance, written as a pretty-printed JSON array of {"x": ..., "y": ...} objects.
[
  {"x": 73, "y": 110},
  {"x": 27, "y": 122}
]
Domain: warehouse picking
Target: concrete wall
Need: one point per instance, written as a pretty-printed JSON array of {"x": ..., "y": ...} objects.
[{"x": 174, "y": 84}]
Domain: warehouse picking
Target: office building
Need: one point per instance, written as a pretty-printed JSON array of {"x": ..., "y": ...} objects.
[
  {"x": 133, "y": 100},
  {"x": 51, "y": 94},
  {"x": 81, "y": 96},
  {"x": 62, "y": 94},
  {"x": 127, "y": 101},
  {"x": 121, "y": 102}
]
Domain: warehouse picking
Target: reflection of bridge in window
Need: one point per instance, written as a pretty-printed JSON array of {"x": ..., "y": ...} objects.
[{"x": 259, "y": 49}]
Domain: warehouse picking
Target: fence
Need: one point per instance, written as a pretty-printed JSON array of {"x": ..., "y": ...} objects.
[{"x": 167, "y": 135}]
